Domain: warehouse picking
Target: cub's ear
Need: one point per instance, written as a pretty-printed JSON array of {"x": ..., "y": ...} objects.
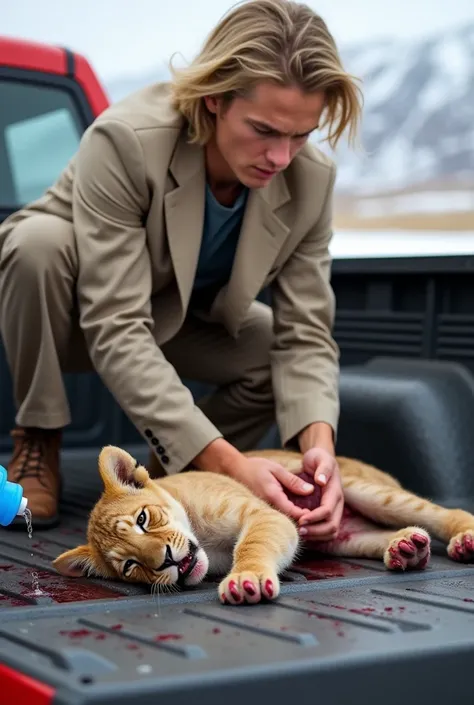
[
  {"x": 117, "y": 469},
  {"x": 76, "y": 563}
]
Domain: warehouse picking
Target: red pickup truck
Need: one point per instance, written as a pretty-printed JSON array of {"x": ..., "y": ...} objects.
[
  {"x": 343, "y": 631},
  {"x": 48, "y": 96}
]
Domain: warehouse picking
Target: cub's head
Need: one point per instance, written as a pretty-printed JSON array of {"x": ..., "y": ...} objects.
[{"x": 137, "y": 531}]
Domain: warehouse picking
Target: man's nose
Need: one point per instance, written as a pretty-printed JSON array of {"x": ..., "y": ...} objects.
[{"x": 279, "y": 154}]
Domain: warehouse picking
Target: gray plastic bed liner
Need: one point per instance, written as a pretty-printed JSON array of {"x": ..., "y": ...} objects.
[{"x": 342, "y": 632}]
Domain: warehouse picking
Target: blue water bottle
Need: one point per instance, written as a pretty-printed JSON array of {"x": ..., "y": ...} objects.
[{"x": 12, "y": 502}]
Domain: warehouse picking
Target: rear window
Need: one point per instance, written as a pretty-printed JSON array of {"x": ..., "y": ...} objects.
[{"x": 40, "y": 130}]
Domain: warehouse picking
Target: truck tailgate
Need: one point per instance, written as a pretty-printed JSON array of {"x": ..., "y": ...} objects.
[{"x": 343, "y": 631}]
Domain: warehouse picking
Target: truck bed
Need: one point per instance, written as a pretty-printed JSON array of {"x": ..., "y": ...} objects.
[{"x": 343, "y": 631}]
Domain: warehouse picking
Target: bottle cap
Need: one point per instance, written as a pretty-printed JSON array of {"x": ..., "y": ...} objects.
[{"x": 22, "y": 507}]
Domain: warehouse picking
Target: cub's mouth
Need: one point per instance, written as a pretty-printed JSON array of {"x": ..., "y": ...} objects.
[{"x": 187, "y": 564}]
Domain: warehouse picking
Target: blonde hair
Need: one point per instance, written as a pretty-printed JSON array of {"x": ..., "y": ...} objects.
[{"x": 267, "y": 40}]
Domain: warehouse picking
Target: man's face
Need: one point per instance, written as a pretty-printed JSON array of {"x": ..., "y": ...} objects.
[{"x": 258, "y": 136}]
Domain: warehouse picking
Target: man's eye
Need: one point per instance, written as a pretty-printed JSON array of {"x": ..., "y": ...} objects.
[
  {"x": 141, "y": 519},
  {"x": 128, "y": 565}
]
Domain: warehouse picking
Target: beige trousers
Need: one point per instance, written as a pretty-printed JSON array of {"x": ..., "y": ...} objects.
[{"x": 39, "y": 325}]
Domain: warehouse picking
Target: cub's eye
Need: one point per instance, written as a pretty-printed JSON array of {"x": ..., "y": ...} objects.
[
  {"x": 128, "y": 565},
  {"x": 141, "y": 519}
]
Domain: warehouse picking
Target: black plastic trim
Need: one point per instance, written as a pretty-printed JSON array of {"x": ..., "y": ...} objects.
[
  {"x": 70, "y": 62},
  {"x": 404, "y": 265}
]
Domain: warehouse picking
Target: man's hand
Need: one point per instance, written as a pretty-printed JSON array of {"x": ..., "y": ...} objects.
[
  {"x": 322, "y": 524},
  {"x": 265, "y": 478}
]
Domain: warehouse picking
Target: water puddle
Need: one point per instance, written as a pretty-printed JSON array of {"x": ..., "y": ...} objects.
[{"x": 46, "y": 585}]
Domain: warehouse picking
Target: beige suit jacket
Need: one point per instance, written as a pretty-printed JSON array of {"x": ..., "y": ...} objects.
[{"x": 135, "y": 194}]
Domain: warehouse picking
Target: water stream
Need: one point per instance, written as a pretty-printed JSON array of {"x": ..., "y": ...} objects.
[{"x": 36, "y": 590}]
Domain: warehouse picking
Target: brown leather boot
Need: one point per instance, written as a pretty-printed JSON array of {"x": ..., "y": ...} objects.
[{"x": 35, "y": 466}]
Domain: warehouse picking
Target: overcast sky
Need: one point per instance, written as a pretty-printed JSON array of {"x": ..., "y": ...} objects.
[{"x": 123, "y": 37}]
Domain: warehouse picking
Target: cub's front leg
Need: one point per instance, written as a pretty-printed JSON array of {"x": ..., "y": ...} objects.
[{"x": 267, "y": 544}]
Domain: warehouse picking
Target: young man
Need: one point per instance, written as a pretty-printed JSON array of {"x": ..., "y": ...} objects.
[{"x": 144, "y": 261}]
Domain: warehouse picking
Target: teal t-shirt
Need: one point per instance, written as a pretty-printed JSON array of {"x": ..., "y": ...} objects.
[{"x": 220, "y": 236}]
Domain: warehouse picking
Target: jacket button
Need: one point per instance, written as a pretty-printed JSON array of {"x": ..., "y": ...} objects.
[
  {"x": 160, "y": 449},
  {"x": 155, "y": 441},
  {"x": 165, "y": 459},
  {"x": 148, "y": 433}
]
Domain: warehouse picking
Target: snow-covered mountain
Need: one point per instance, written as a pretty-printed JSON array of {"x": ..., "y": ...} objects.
[{"x": 418, "y": 123}]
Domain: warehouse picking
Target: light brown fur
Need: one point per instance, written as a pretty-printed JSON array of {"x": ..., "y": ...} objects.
[{"x": 243, "y": 538}]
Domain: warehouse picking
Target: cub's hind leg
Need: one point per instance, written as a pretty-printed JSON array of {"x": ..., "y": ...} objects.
[
  {"x": 396, "y": 507},
  {"x": 408, "y": 548}
]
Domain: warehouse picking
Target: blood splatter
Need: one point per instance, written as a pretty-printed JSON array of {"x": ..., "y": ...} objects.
[
  {"x": 216, "y": 630},
  {"x": 63, "y": 590},
  {"x": 76, "y": 633},
  {"x": 117, "y": 627},
  {"x": 57, "y": 587},
  {"x": 362, "y": 610},
  {"x": 324, "y": 569},
  {"x": 168, "y": 637}
]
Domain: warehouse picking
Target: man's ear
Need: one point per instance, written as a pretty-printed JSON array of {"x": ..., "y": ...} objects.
[
  {"x": 212, "y": 104},
  {"x": 117, "y": 469},
  {"x": 76, "y": 563}
]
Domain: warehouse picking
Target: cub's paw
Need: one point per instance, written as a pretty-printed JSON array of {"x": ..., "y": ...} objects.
[
  {"x": 461, "y": 546},
  {"x": 248, "y": 588},
  {"x": 410, "y": 549}
]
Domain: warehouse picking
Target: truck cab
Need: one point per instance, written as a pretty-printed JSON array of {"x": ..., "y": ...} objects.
[{"x": 49, "y": 95}]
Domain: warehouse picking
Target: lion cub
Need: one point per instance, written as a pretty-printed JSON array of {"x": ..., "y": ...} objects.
[{"x": 177, "y": 529}]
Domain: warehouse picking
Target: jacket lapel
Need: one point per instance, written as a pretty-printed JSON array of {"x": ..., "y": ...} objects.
[
  {"x": 184, "y": 214},
  {"x": 261, "y": 238}
]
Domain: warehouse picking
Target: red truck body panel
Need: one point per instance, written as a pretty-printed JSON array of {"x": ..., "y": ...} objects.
[
  {"x": 20, "y": 688},
  {"x": 34, "y": 56}
]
